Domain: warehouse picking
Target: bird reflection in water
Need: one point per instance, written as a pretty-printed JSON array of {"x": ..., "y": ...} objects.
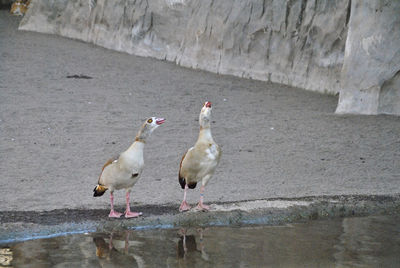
[
  {"x": 111, "y": 255},
  {"x": 6, "y": 257},
  {"x": 188, "y": 247}
]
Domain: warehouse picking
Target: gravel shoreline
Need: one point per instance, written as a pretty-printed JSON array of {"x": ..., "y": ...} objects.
[{"x": 25, "y": 225}]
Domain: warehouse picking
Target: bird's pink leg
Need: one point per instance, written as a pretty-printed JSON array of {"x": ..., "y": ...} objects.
[
  {"x": 201, "y": 206},
  {"x": 127, "y": 242},
  {"x": 184, "y": 206},
  {"x": 128, "y": 213},
  {"x": 110, "y": 243},
  {"x": 113, "y": 214}
]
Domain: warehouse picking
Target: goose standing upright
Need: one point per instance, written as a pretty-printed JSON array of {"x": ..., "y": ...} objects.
[
  {"x": 124, "y": 171},
  {"x": 200, "y": 161}
]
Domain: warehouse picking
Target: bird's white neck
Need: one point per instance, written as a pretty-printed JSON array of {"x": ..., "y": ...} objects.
[
  {"x": 133, "y": 157},
  {"x": 137, "y": 146},
  {"x": 143, "y": 133},
  {"x": 205, "y": 135}
]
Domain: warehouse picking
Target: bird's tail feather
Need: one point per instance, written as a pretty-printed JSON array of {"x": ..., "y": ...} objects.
[
  {"x": 99, "y": 190},
  {"x": 182, "y": 182}
]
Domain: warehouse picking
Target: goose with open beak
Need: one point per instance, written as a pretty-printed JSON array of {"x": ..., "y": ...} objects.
[{"x": 124, "y": 171}]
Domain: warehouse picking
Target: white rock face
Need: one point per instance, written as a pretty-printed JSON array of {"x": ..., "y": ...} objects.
[
  {"x": 371, "y": 70},
  {"x": 295, "y": 42}
]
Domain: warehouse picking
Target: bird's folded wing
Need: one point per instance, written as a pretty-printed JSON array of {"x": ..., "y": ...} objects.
[{"x": 109, "y": 162}]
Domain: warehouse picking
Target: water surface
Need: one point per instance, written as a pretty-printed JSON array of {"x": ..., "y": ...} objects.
[{"x": 349, "y": 242}]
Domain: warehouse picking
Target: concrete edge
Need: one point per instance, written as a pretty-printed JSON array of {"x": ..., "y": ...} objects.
[{"x": 243, "y": 213}]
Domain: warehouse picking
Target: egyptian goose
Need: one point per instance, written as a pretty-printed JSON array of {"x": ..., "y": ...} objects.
[
  {"x": 188, "y": 247},
  {"x": 19, "y": 7},
  {"x": 124, "y": 171},
  {"x": 200, "y": 161},
  {"x": 111, "y": 254}
]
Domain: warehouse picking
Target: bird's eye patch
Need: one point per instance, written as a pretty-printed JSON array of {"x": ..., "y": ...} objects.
[{"x": 150, "y": 121}]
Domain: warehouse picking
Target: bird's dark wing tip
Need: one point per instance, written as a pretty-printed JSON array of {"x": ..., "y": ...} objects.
[{"x": 182, "y": 182}]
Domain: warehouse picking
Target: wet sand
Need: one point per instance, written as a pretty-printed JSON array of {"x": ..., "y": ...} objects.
[{"x": 278, "y": 142}]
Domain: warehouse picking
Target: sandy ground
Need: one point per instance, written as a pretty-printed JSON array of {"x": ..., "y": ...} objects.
[{"x": 277, "y": 141}]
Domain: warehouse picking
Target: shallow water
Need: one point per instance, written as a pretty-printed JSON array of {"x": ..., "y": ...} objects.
[{"x": 349, "y": 242}]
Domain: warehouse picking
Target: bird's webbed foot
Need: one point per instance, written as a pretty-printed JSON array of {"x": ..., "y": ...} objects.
[
  {"x": 201, "y": 206},
  {"x": 184, "y": 206},
  {"x": 114, "y": 214},
  {"x": 130, "y": 214}
]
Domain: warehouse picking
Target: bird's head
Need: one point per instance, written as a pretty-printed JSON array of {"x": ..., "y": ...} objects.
[
  {"x": 152, "y": 123},
  {"x": 148, "y": 127},
  {"x": 205, "y": 115}
]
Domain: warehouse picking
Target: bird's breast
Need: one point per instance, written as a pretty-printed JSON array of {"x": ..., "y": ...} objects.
[{"x": 211, "y": 152}]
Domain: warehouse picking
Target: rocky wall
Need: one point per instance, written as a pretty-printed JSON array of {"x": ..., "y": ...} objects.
[
  {"x": 370, "y": 80},
  {"x": 295, "y": 42}
]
